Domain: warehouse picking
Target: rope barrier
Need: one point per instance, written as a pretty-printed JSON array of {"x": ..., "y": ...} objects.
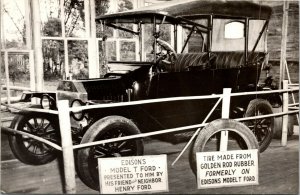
[
  {"x": 294, "y": 108},
  {"x": 139, "y": 102},
  {"x": 160, "y": 100},
  {"x": 31, "y": 109},
  {"x": 263, "y": 92},
  {"x": 295, "y": 104},
  {"x": 57, "y": 147},
  {"x": 142, "y": 135},
  {"x": 178, "y": 129}
]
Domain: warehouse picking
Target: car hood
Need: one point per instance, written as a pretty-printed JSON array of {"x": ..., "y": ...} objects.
[
  {"x": 117, "y": 68},
  {"x": 119, "y": 78}
]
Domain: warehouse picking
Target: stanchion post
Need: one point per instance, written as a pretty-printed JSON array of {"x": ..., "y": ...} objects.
[
  {"x": 225, "y": 115},
  {"x": 7, "y": 76},
  {"x": 285, "y": 117},
  {"x": 67, "y": 146}
]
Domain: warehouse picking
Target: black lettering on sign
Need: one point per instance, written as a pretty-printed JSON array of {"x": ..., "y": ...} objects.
[
  {"x": 225, "y": 157},
  {"x": 243, "y": 156},
  {"x": 133, "y": 162},
  {"x": 245, "y": 171}
]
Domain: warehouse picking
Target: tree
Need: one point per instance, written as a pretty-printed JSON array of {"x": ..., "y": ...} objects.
[
  {"x": 74, "y": 14},
  {"x": 125, "y": 5},
  {"x": 52, "y": 27}
]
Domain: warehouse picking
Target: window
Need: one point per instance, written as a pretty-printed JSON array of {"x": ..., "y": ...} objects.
[
  {"x": 65, "y": 32},
  {"x": 197, "y": 42},
  {"x": 228, "y": 35},
  {"x": 14, "y": 30},
  {"x": 234, "y": 30},
  {"x": 120, "y": 45}
]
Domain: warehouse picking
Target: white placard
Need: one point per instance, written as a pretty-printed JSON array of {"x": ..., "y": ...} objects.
[
  {"x": 228, "y": 168},
  {"x": 134, "y": 174}
]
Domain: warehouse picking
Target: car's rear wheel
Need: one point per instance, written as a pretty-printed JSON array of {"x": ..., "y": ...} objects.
[
  {"x": 278, "y": 124},
  {"x": 208, "y": 140},
  {"x": 263, "y": 129},
  {"x": 31, "y": 151},
  {"x": 106, "y": 128}
]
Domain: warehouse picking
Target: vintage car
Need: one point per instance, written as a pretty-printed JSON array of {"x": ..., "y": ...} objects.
[{"x": 182, "y": 48}]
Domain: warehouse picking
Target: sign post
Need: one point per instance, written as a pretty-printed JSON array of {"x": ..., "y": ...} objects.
[{"x": 225, "y": 115}]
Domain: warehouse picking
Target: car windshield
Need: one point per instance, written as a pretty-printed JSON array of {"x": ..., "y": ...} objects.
[{"x": 128, "y": 42}]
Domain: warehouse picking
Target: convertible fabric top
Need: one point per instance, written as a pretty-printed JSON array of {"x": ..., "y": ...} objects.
[{"x": 194, "y": 8}]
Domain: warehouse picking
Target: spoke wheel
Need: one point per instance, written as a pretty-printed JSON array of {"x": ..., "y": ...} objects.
[
  {"x": 28, "y": 150},
  {"x": 106, "y": 128},
  {"x": 263, "y": 129},
  {"x": 239, "y": 138}
]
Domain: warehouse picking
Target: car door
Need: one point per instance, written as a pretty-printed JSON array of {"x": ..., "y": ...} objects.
[{"x": 179, "y": 84}]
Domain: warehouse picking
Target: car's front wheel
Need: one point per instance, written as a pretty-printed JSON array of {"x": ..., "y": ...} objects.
[
  {"x": 28, "y": 150},
  {"x": 106, "y": 128}
]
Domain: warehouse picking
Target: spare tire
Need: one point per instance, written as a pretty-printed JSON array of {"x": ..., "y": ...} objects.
[{"x": 240, "y": 137}]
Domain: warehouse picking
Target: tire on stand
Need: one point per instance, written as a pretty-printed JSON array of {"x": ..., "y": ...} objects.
[
  {"x": 240, "y": 137},
  {"x": 28, "y": 150},
  {"x": 106, "y": 128},
  {"x": 263, "y": 129}
]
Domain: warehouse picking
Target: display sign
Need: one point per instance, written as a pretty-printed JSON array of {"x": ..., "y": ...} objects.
[
  {"x": 134, "y": 174},
  {"x": 228, "y": 168}
]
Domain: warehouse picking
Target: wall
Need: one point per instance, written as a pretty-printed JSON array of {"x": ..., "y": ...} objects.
[
  {"x": 274, "y": 40},
  {"x": 274, "y": 36}
]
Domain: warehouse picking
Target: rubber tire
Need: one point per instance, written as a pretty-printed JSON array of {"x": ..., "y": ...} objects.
[
  {"x": 100, "y": 127},
  {"x": 17, "y": 146},
  {"x": 214, "y": 127},
  {"x": 266, "y": 106}
]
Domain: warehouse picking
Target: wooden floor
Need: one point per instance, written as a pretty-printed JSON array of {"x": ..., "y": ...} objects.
[{"x": 278, "y": 172}]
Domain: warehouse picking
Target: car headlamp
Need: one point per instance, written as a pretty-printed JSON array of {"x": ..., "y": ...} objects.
[
  {"x": 77, "y": 115},
  {"x": 136, "y": 86}
]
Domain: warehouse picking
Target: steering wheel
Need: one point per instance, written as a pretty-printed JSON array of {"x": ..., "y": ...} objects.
[{"x": 167, "y": 55}]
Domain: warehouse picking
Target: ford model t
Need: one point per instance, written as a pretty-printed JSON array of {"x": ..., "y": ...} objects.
[{"x": 181, "y": 48}]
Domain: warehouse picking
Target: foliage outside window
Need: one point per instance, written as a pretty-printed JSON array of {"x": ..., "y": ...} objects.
[
  {"x": 74, "y": 18},
  {"x": 18, "y": 66},
  {"x": 127, "y": 51},
  {"x": 14, "y": 34},
  {"x": 14, "y": 31},
  {"x": 55, "y": 41},
  {"x": 78, "y": 59},
  {"x": 51, "y": 18},
  {"x": 120, "y": 44},
  {"x": 53, "y": 55},
  {"x": 197, "y": 41},
  {"x": 111, "y": 50}
]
